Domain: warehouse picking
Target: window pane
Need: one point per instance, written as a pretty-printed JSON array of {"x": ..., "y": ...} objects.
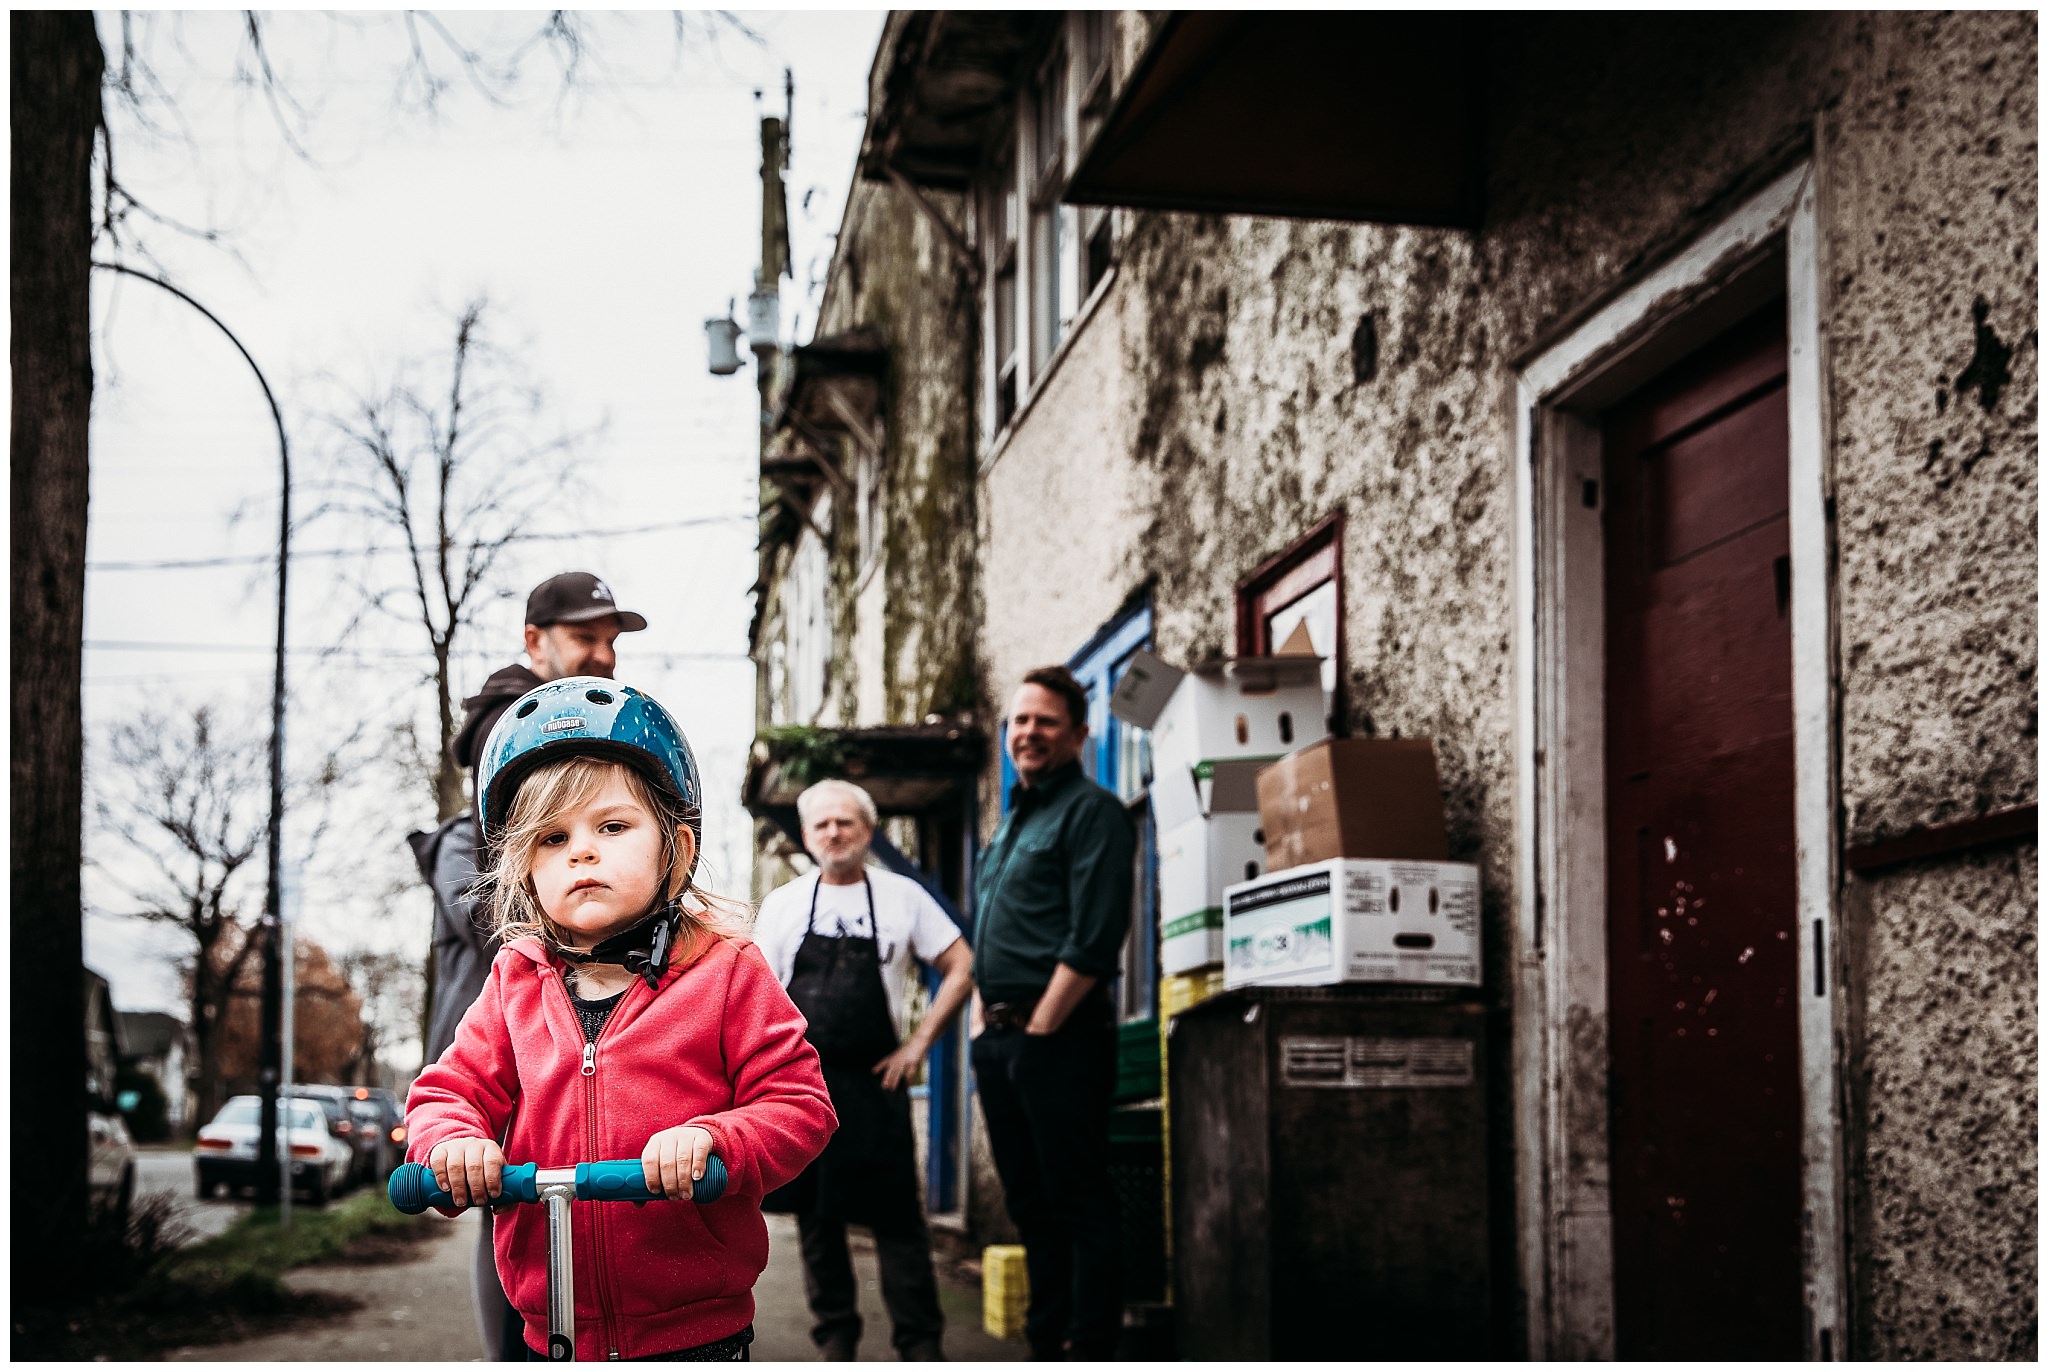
[
  {"x": 1051, "y": 114},
  {"x": 1046, "y": 252},
  {"x": 1006, "y": 315},
  {"x": 1316, "y": 610}
]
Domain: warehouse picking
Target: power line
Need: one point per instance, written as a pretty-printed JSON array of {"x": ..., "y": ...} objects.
[
  {"x": 252, "y": 559},
  {"x": 116, "y": 645}
]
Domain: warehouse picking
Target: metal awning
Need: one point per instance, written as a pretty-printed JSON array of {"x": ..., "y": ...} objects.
[
  {"x": 1318, "y": 114},
  {"x": 909, "y": 769},
  {"x": 835, "y": 390},
  {"x": 944, "y": 85}
]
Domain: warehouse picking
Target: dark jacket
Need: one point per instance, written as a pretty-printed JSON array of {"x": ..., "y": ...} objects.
[
  {"x": 450, "y": 858},
  {"x": 481, "y": 710},
  {"x": 1054, "y": 887},
  {"x": 462, "y": 948}
]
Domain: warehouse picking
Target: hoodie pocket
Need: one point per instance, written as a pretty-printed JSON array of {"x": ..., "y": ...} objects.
[{"x": 668, "y": 1257}]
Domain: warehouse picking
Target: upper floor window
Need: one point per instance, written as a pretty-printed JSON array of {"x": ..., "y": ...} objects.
[
  {"x": 1094, "y": 31},
  {"x": 1041, "y": 258},
  {"x": 999, "y": 235},
  {"x": 1049, "y": 313}
]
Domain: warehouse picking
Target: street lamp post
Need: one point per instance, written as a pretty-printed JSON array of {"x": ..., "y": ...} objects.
[{"x": 269, "y": 1037}]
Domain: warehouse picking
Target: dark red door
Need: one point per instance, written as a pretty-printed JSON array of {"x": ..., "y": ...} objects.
[{"x": 1702, "y": 953}]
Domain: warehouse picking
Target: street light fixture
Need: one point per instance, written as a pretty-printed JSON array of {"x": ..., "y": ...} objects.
[{"x": 269, "y": 1035}]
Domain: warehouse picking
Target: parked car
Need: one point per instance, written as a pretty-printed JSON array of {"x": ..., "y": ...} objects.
[
  {"x": 334, "y": 1101},
  {"x": 380, "y": 1129},
  {"x": 110, "y": 1152},
  {"x": 225, "y": 1152},
  {"x": 110, "y": 1165}
]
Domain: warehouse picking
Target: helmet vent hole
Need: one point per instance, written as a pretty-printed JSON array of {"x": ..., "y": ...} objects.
[
  {"x": 528, "y": 708},
  {"x": 597, "y": 697}
]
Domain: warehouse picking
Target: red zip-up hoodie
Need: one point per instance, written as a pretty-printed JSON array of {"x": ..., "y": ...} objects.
[{"x": 718, "y": 1045}]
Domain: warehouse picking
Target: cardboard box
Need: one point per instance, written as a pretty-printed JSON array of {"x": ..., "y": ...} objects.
[
  {"x": 1214, "y": 727},
  {"x": 1353, "y": 798},
  {"x": 1197, "y": 861},
  {"x": 1354, "y": 920}
]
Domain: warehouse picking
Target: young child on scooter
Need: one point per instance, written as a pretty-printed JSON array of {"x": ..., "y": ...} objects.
[{"x": 621, "y": 1019}]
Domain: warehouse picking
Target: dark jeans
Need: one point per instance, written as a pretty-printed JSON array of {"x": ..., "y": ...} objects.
[
  {"x": 1046, "y": 1101},
  {"x": 910, "y": 1291}
]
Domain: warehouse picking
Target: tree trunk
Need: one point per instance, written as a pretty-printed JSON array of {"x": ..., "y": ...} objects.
[
  {"x": 448, "y": 799},
  {"x": 55, "y": 67}
]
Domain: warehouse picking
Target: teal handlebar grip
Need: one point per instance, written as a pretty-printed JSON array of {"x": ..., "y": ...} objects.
[
  {"x": 625, "y": 1180},
  {"x": 413, "y": 1189}
]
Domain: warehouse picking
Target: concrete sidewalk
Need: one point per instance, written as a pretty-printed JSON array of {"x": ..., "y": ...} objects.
[{"x": 417, "y": 1309}]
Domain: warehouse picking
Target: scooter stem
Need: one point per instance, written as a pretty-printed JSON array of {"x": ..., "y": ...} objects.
[{"x": 561, "y": 1278}]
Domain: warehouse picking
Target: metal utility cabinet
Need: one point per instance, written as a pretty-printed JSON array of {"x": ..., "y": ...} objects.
[{"x": 1329, "y": 1167}]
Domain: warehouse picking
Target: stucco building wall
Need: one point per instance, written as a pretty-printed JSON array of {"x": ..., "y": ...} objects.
[{"x": 1245, "y": 377}]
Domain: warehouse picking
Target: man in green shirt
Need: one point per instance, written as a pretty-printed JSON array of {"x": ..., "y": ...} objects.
[{"x": 1052, "y": 907}]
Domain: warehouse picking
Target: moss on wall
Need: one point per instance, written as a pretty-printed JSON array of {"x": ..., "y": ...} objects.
[{"x": 1270, "y": 372}]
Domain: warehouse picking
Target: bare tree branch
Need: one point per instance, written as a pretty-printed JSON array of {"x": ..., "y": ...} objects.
[{"x": 444, "y": 461}]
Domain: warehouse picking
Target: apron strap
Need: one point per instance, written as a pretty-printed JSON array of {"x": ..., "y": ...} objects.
[{"x": 811, "y": 920}]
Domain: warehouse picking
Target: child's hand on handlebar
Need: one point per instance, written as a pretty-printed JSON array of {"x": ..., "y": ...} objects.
[
  {"x": 674, "y": 1159},
  {"x": 470, "y": 1170}
]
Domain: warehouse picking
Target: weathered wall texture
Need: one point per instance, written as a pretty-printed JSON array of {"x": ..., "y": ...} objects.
[
  {"x": 1067, "y": 512},
  {"x": 1945, "y": 1092},
  {"x": 1933, "y": 179},
  {"x": 909, "y": 642},
  {"x": 1273, "y": 371}
]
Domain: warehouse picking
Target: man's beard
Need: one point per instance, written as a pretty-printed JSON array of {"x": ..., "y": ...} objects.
[{"x": 842, "y": 870}]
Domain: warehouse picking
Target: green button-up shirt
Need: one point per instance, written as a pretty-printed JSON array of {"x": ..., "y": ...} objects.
[{"x": 1054, "y": 886}]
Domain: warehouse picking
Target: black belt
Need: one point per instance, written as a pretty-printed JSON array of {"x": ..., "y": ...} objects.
[{"x": 1016, "y": 1014}]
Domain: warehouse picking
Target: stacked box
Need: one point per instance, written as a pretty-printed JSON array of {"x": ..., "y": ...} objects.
[
  {"x": 1196, "y": 862},
  {"x": 1213, "y": 728},
  {"x": 1005, "y": 1290},
  {"x": 1353, "y": 798},
  {"x": 1211, "y": 731},
  {"x": 1354, "y": 920}
]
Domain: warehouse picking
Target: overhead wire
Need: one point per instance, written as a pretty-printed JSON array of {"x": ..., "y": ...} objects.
[{"x": 253, "y": 559}]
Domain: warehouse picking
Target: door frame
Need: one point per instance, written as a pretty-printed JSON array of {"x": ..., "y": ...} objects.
[{"x": 1768, "y": 248}]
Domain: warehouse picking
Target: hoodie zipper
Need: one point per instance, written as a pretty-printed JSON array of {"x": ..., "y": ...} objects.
[{"x": 600, "y": 1269}]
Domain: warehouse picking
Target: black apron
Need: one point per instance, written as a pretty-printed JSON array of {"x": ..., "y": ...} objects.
[{"x": 869, "y": 1167}]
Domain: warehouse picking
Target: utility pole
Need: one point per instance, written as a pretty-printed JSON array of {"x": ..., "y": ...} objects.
[{"x": 764, "y": 306}]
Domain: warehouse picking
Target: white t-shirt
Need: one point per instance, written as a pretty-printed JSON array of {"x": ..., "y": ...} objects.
[{"x": 909, "y": 927}]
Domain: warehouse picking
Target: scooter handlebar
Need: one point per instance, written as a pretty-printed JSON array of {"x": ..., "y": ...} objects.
[{"x": 413, "y": 1188}]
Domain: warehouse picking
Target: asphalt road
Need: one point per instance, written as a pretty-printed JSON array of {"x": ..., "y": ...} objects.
[{"x": 169, "y": 1171}]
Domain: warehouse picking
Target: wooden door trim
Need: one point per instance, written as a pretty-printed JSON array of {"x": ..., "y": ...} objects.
[{"x": 1768, "y": 248}]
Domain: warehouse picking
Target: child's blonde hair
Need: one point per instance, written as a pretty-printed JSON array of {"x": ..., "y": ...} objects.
[{"x": 558, "y": 787}]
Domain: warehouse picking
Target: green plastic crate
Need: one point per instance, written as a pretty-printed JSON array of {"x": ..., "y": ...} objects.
[{"x": 1137, "y": 1060}]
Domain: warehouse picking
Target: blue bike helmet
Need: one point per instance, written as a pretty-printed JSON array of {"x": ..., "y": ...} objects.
[{"x": 585, "y": 716}]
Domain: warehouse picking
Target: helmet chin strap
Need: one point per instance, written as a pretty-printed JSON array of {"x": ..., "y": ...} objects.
[{"x": 642, "y": 949}]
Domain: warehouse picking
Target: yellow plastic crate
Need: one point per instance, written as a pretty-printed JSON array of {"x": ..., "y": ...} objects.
[
  {"x": 1186, "y": 992},
  {"x": 1005, "y": 1290}
]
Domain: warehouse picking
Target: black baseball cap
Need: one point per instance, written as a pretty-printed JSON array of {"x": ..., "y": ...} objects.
[{"x": 574, "y": 597}]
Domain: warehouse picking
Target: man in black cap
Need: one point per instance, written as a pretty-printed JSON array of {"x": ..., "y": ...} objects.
[{"x": 572, "y": 621}]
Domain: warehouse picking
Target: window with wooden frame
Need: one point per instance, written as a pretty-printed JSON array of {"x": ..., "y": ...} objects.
[
  {"x": 1294, "y": 602},
  {"x": 999, "y": 235},
  {"x": 1094, "y": 35},
  {"x": 1048, "y": 167}
]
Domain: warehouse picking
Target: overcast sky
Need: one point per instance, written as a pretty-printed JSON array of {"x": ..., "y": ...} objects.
[{"x": 604, "y": 228}]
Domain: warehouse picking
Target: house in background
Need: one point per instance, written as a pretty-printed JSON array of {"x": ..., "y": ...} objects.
[
  {"x": 160, "y": 1047},
  {"x": 1642, "y": 407}
]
